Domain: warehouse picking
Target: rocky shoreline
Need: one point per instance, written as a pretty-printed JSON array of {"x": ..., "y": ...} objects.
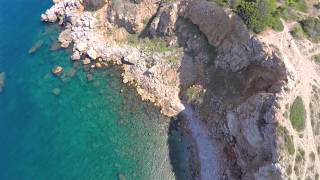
[{"x": 189, "y": 53}]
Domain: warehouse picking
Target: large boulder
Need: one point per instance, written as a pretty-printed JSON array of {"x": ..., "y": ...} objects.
[
  {"x": 65, "y": 38},
  {"x": 164, "y": 22},
  {"x": 252, "y": 124}
]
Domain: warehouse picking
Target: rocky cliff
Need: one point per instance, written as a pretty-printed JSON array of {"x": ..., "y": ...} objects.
[{"x": 189, "y": 54}]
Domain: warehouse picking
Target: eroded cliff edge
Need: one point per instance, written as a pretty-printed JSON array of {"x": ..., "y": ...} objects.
[{"x": 193, "y": 54}]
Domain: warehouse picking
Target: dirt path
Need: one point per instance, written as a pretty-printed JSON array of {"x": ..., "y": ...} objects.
[
  {"x": 209, "y": 150},
  {"x": 305, "y": 73}
]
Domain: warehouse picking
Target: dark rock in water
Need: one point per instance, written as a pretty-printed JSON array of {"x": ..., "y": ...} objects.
[
  {"x": 121, "y": 177},
  {"x": 34, "y": 48},
  {"x": 86, "y": 67},
  {"x": 56, "y": 91},
  {"x": 2, "y": 81},
  {"x": 71, "y": 72},
  {"x": 55, "y": 46},
  {"x": 89, "y": 77}
]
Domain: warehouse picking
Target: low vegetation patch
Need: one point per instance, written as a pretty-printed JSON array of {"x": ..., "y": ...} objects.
[
  {"x": 316, "y": 58},
  {"x": 298, "y": 114},
  {"x": 194, "y": 94},
  {"x": 297, "y": 32},
  {"x": 147, "y": 44},
  {"x": 260, "y": 14},
  {"x": 288, "y": 139},
  {"x": 311, "y": 26},
  {"x": 300, "y": 156}
]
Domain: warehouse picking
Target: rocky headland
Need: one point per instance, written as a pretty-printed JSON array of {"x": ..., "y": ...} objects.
[{"x": 193, "y": 59}]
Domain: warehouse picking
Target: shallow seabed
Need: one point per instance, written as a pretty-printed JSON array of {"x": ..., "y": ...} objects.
[{"x": 86, "y": 130}]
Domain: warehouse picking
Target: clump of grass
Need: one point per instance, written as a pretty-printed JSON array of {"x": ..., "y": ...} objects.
[
  {"x": 312, "y": 156},
  {"x": 311, "y": 26},
  {"x": 289, "y": 170},
  {"x": 288, "y": 140},
  {"x": 300, "y": 155},
  {"x": 194, "y": 94},
  {"x": 297, "y": 32},
  {"x": 173, "y": 60},
  {"x": 156, "y": 45},
  {"x": 299, "y": 5},
  {"x": 287, "y": 13},
  {"x": 298, "y": 114},
  {"x": 316, "y": 58}
]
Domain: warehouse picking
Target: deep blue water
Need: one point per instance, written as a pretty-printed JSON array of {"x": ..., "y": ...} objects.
[{"x": 91, "y": 130}]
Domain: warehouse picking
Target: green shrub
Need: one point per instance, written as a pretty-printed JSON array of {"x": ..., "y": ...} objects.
[
  {"x": 194, "y": 94},
  {"x": 316, "y": 58},
  {"x": 311, "y": 26},
  {"x": 298, "y": 114},
  {"x": 297, "y": 32},
  {"x": 260, "y": 14},
  {"x": 287, "y": 13},
  {"x": 299, "y": 5}
]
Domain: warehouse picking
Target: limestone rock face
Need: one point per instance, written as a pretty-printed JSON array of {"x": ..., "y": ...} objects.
[
  {"x": 131, "y": 16},
  {"x": 64, "y": 11},
  {"x": 250, "y": 125},
  {"x": 237, "y": 48},
  {"x": 165, "y": 20},
  {"x": 65, "y": 38},
  {"x": 94, "y": 4}
]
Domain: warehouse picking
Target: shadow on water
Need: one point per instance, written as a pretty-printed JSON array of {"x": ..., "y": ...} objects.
[{"x": 181, "y": 151}]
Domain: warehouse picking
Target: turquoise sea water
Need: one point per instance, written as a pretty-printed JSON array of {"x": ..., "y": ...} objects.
[{"x": 91, "y": 130}]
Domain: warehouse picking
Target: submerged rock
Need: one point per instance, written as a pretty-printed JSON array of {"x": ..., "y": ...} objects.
[
  {"x": 89, "y": 77},
  {"x": 35, "y": 47},
  {"x": 121, "y": 177},
  {"x": 71, "y": 72},
  {"x": 2, "y": 81},
  {"x": 57, "y": 70},
  {"x": 56, "y": 91}
]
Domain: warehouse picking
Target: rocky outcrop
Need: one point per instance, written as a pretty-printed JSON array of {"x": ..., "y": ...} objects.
[
  {"x": 237, "y": 48},
  {"x": 132, "y": 16},
  {"x": 240, "y": 87},
  {"x": 94, "y": 4},
  {"x": 63, "y": 11},
  {"x": 260, "y": 74},
  {"x": 164, "y": 22}
]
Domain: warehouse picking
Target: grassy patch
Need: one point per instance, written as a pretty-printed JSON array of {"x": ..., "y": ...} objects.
[
  {"x": 300, "y": 156},
  {"x": 289, "y": 170},
  {"x": 316, "y": 58},
  {"x": 297, "y": 32},
  {"x": 299, "y": 5},
  {"x": 311, "y": 26},
  {"x": 298, "y": 114},
  {"x": 147, "y": 44},
  {"x": 260, "y": 14},
  {"x": 288, "y": 140},
  {"x": 194, "y": 94},
  {"x": 312, "y": 156}
]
